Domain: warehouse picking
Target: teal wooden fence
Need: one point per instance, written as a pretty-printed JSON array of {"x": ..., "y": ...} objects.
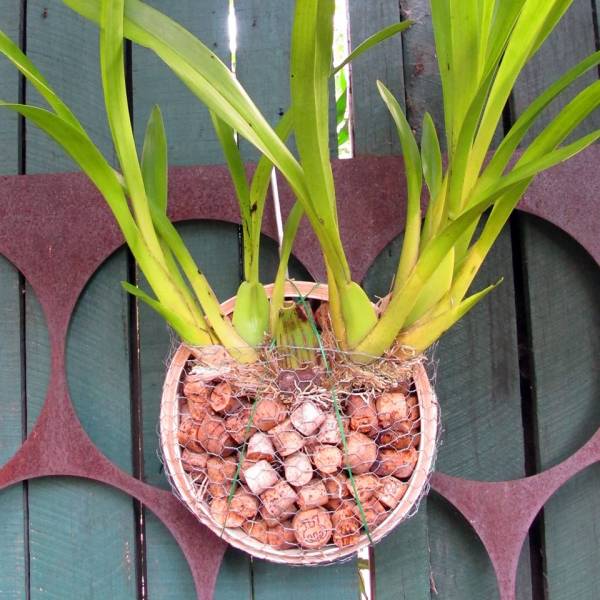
[{"x": 515, "y": 379}]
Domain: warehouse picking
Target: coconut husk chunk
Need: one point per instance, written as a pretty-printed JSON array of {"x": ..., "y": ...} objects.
[
  {"x": 363, "y": 417},
  {"x": 244, "y": 504},
  {"x": 187, "y": 435},
  {"x": 367, "y": 486},
  {"x": 222, "y": 399},
  {"x": 346, "y": 525},
  {"x": 260, "y": 447},
  {"x": 391, "y": 491},
  {"x": 327, "y": 459},
  {"x": 273, "y": 521},
  {"x": 269, "y": 412},
  {"x": 397, "y": 439},
  {"x": 213, "y": 436},
  {"x": 329, "y": 432},
  {"x": 312, "y": 527},
  {"x": 362, "y": 452},
  {"x": 278, "y": 499},
  {"x": 307, "y": 418},
  {"x": 392, "y": 410},
  {"x": 238, "y": 425},
  {"x": 337, "y": 489},
  {"x": 224, "y": 515},
  {"x": 196, "y": 390},
  {"x": 282, "y": 536},
  {"x": 374, "y": 512},
  {"x": 313, "y": 494},
  {"x": 220, "y": 473},
  {"x": 286, "y": 439},
  {"x": 194, "y": 462},
  {"x": 298, "y": 470},
  {"x": 399, "y": 463},
  {"x": 256, "y": 529},
  {"x": 260, "y": 476}
]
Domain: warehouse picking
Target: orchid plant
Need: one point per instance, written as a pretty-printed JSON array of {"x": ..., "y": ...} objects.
[{"x": 482, "y": 47}]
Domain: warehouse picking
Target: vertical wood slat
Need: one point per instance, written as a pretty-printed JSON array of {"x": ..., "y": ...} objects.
[
  {"x": 81, "y": 534},
  {"x": 13, "y": 582},
  {"x": 563, "y": 291},
  {"x": 421, "y": 75},
  {"x": 191, "y": 141},
  {"x": 401, "y": 567},
  {"x": 561, "y": 299},
  {"x": 476, "y": 414},
  {"x": 264, "y": 30},
  {"x": 373, "y": 130}
]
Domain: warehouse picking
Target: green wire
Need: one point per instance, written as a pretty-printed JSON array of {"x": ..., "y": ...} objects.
[{"x": 336, "y": 407}]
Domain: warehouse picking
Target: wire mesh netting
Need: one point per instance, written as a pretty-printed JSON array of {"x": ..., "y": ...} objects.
[{"x": 303, "y": 465}]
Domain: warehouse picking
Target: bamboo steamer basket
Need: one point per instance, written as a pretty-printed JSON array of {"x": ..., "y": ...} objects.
[{"x": 184, "y": 487}]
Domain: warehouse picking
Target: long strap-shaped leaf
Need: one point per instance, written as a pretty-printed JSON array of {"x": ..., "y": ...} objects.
[
  {"x": 528, "y": 117},
  {"x": 94, "y": 165},
  {"x": 233, "y": 156},
  {"x": 32, "y": 74},
  {"x": 202, "y": 71},
  {"x": 371, "y": 41},
  {"x": 310, "y": 64},
  {"x": 155, "y": 172},
  {"x": 403, "y": 301},
  {"x": 209, "y": 79},
  {"x": 421, "y": 336},
  {"x": 414, "y": 179},
  {"x": 112, "y": 56},
  {"x": 534, "y": 24}
]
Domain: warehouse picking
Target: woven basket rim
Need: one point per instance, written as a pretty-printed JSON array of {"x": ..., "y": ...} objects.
[{"x": 237, "y": 537}]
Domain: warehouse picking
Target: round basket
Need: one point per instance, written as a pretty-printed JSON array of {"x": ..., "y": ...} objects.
[{"x": 185, "y": 487}]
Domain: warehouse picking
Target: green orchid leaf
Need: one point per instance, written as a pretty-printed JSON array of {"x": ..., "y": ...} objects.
[
  {"x": 434, "y": 290},
  {"x": 373, "y": 40},
  {"x": 237, "y": 171},
  {"x": 184, "y": 329},
  {"x": 259, "y": 189},
  {"x": 419, "y": 337},
  {"x": 414, "y": 179},
  {"x": 431, "y": 156},
  {"x": 529, "y": 116},
  {"x": 289, "y": 235},
  {"x": 33, "y": 76},
  {"x": 206, "y": 76},
  {"x": 251, "y": 313},
  {"x": 155, "y": 164}
]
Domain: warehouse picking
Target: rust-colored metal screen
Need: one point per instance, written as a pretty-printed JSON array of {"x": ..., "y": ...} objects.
[{"x": 57, "y": 231}]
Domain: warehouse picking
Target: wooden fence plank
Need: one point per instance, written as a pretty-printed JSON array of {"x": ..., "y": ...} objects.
[
  {"x": 374, "y": 131},
  {"x": 478, "y": 390},
  {"x": 262, "y": 62},
  {"x": 191, "y": 138},
  {"x": 401, "y": 568},
  {"x": 191, "y": 141},
  {"x": 561, "y": 297},
  {"x": 81, "y": 534},
  {"x": 421, "y": 76},
  {"x": 262, "y": 66},
  {"x": 12, "y": 542},
  {"x": 477, "y": 383},
  {"x": 98, "y": 361},
  {"x": 214, "y": 246},
  {"x": 564, "y": 288}
]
